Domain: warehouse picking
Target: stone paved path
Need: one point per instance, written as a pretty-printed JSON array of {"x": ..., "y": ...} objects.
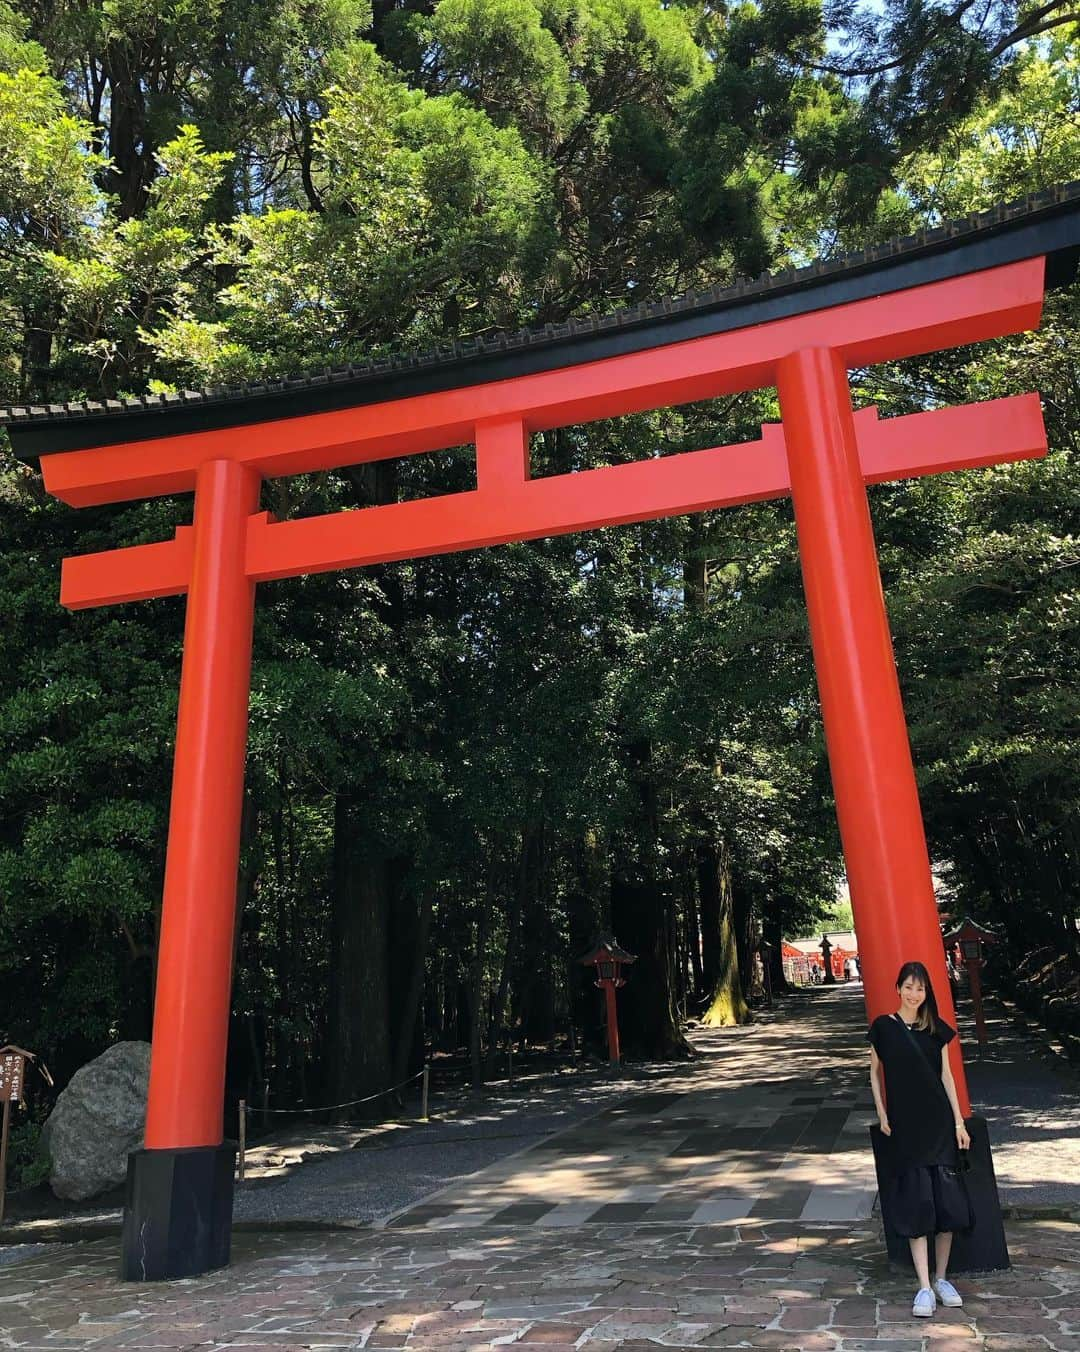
[
  {"x": 356, "y": 1176},
  {"x": 771, "y": 1123},
  {"x": 755, "y": 1129},
  {"x": 723, "y": 1203},
  {"x": 604, "y": 1287},
  {"x": 1031, "y": 1099}
]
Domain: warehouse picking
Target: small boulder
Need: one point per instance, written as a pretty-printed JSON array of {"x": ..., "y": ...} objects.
[{"x": 98, "y": 1119}]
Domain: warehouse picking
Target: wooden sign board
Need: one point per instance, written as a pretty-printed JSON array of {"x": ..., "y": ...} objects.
[{"x": 12, "y": 1067}]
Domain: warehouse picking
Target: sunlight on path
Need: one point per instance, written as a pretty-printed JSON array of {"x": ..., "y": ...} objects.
[{"x": 768, "y": 1122}]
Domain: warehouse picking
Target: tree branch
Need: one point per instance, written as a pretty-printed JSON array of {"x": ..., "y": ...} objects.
[
  {"x": 1025, "y": 30},
  {"x": 906, "y": 55}
]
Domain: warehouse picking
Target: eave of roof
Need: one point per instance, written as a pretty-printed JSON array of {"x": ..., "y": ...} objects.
[{"x": 1044, "y": 224}]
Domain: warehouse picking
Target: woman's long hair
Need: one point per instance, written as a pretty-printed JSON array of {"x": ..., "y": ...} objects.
[{"x": 928, "y": 1012}]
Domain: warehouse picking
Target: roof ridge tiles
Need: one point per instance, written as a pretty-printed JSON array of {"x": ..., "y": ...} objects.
[{"x": 736, "y": 291}]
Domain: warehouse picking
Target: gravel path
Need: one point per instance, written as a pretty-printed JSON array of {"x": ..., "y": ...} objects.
[{"x": 356, "y": 1177}]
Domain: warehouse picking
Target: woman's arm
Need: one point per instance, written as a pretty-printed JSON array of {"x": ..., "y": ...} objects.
[
  {"x": 876, "y": 1077},
  {"x": 963, "y": 1140}
]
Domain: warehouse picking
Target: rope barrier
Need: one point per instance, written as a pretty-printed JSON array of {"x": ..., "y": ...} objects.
[
  {"x": 246, "y": 1108},
  {"x": 332, "y": 1107}
]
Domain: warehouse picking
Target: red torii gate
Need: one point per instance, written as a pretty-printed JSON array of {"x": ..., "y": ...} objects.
[{"x": 975, "y": 280}]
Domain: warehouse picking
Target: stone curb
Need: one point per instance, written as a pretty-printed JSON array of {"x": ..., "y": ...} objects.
[{"x": 66, "y": 1232}]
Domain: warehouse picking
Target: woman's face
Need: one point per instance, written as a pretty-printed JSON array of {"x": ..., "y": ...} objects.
[{"x": 912, "y": 994}]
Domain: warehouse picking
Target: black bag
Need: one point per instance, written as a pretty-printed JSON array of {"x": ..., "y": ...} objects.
[{"x": 952, "y": 1197}]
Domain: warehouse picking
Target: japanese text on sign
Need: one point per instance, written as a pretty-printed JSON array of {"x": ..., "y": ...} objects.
[{"x": 11, "y": 1077}]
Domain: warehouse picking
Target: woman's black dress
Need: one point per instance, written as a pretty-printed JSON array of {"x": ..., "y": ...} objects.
[{"x": 926, "y": 1194}]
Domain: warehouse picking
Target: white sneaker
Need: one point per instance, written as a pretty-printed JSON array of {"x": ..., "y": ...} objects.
[
  {"x": 924, "y": 1304},
  {"x": 947, "y": 1294}
]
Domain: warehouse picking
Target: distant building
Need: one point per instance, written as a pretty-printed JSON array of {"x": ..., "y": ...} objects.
[{"x": 802, "y": 957}]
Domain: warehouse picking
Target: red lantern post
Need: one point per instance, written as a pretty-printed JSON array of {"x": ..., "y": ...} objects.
[
  {"x": 971, "y": 937},
  {"x": 608, "y": 959}
]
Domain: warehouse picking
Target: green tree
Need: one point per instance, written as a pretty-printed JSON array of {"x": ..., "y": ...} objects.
[{"x": 462, "y": 767}]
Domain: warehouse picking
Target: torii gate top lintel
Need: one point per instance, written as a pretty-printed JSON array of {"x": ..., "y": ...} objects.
[{"x": 1042, "y": 227}]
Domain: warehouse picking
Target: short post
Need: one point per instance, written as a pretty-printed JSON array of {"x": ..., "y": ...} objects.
[
  {"x": 3, "y": 1156},
  {"x": 424, "y": 1095},
  {"x": 242, "y": 1133},
  {"x": 510, "y": 1066},
  {"x": 12, "y": 1071},
  {"x": 612, "y": 1014}
]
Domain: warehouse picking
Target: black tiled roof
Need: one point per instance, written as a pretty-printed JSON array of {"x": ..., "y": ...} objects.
[{"x": 1045, "y": 223}]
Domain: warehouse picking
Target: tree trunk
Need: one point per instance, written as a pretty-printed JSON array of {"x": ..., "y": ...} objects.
[
  {"x": 586, "y": 915},
  {"x": 727, "y": 1004},
  {"x": 39, "y": 326},
  {"x": 476, "y": 997},
  {"x": 359, "y": 996},
  {"x": 709, "y": 909},
  {"x": 281, "y": 960},
  {"x": 695, "y": 571},
  {"x": 524, "y": 888},
  {"x": 410, "y": 1027},
  {"x": 641, "y": 920},
  {"x": 742, "y": 916},
  {"x": 460, "y": 1011},
  {"x": 648, "y": 1018},
  {"x": 130, "y": 147},
  {"x": 693, "y": 932},
  {"x": 724, "y": 926},
  {"x": 774, "y": 937}
]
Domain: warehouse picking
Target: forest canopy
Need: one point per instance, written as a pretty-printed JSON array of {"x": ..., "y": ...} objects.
[{"x": 461, "y": 768}]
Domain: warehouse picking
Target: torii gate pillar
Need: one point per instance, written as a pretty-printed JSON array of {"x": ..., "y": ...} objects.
[
  {"x": 877, "y": 801},
  {"x": 178, "y": 1208}
]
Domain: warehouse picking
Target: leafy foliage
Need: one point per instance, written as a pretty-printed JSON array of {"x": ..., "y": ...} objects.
[{"x": 461, "y": 767}]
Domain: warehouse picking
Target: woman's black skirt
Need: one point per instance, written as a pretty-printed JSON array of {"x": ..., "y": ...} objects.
[{"x": 928, "y": 1200}]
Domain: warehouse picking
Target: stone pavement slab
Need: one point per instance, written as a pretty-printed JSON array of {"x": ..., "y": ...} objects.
[{"x": 630, "y": 1287}]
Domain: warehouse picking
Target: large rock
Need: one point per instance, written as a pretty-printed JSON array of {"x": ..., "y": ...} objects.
[{"x": 97, "y": 1120}]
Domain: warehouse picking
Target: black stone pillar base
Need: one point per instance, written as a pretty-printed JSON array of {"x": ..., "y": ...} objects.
[
  {"x": 984, "y": 1248},
  {"x": 177, "y": 1212}
]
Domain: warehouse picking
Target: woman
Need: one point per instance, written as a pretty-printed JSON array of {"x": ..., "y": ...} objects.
[{"x": 925, "y": 1129}]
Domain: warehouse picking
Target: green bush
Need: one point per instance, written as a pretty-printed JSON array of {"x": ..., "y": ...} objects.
[{"x": 28, "y": 1163}]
